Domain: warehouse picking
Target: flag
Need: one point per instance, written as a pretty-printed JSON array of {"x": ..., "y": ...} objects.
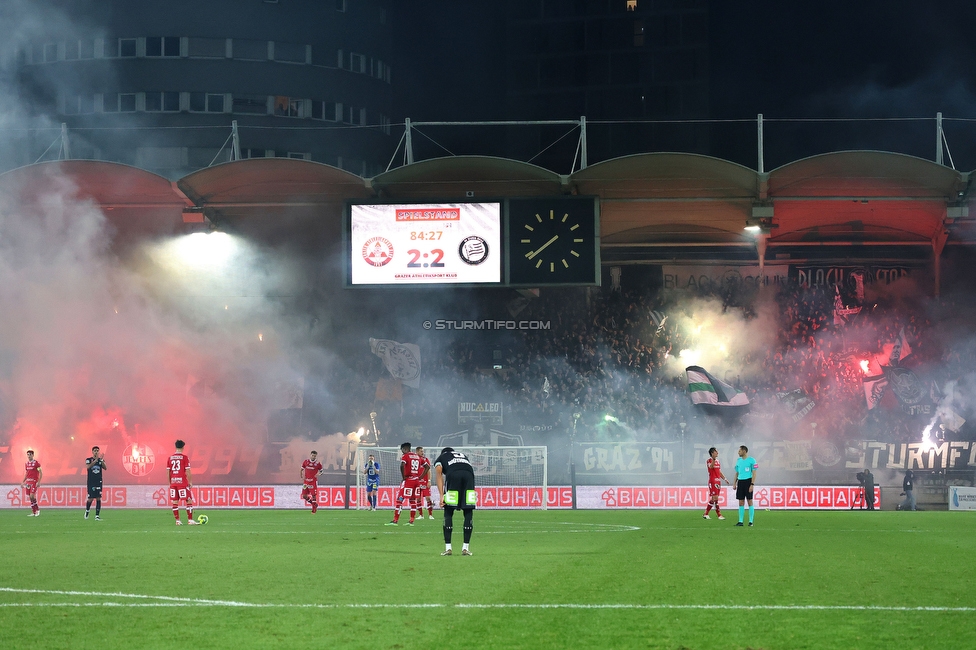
[
  {"x": 952, "y": 420},
  {"x": 659, "y": 319},
  {"x": 401, "y": 359},
  {"x": 842, "y": 314},
  {"x": 911, "y": 393},
  {"x": 707, "y": 390},
  {"x": 797, "y": 403},
  {"x": 899, "y": 350},
  {"x": 874, "y": 388}
]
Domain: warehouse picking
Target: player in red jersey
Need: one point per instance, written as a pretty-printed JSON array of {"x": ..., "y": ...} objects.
[
  {"x": 715, "y": 478},
  {"x": 425, "y": 487},
  {"x": 180, "y": 482},
  {"x": 311, "y": 469},
  {"x": 32, "y": 480},
  {"x": 413, "y": 472}
]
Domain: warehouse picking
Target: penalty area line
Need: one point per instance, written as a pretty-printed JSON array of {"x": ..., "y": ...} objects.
[{"x": 172, "y": 601}]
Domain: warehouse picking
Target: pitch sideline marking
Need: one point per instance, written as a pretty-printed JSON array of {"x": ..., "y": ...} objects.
[{"x": 173, "y": 601}]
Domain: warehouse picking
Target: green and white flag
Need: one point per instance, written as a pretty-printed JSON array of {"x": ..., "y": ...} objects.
[{"x": 707, "y": 390}]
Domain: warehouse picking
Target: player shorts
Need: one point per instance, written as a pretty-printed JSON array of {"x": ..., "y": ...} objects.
[
  {"x": 425, "y": 491},
  {"x": 94, "y": 491},
  {"x": 372, "y": 486},
  {"x": 410, "y": 489},
  {"x": 714, "y": 489},
  {"x": 180, "y": 493},
  {"x": 459, "y": 491},
  {"x": 743, "y": 489},
  {"x": 310, "y": 490},
  {"x": 31, "y": 488}
]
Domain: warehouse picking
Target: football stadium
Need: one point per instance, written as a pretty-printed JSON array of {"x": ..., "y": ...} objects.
[{"x": 680, "y": 402}]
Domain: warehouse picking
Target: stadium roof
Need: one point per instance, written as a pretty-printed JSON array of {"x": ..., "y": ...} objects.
[{"x": 653, "y": 200}]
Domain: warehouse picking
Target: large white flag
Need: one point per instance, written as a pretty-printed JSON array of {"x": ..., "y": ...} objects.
[{"x": 401, "y": 359}]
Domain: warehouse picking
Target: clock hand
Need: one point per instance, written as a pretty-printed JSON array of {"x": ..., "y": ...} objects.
[{"x": 542, "y": 248}]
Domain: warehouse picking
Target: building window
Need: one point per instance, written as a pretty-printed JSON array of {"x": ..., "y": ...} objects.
[
  {"x": 127, "y": 102},
  {"x": 166, "y": 102},
  {"x": 385, "y": 124},
  {"x": 357, "y": 62},
  {"x": 296, "y": 155},
  {"x": 328, "y": 111},
  {"x": 86, "y": 49},
  {"x": 289, "y": 106},
  {"x": 253, "y": 153},
  {"x": 250, "y": 104},
  {"x": 127, "y": 47},
  {"x": 71, "y": 50},
  {"x": 211, "y": 48},
  {"x": 355, "y": 115},
  {"x": 638, "y": 33},
  {"x": 79, "y": 104},
  {"x": 163, "y": 46},
  {"x": 340, "y": 5},
  {"x": 289, "y": 52},
  {"x": 250, "y": 50},
  {"x": 206, "y": 102},
  {"x": 631, "y": 5}
]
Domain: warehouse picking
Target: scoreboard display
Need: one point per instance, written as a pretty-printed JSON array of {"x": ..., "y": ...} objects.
[
  {"x": 443, "y": 243},
  {"x": 514, "y": 242}
]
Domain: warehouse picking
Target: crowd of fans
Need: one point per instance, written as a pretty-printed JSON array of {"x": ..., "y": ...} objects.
[{"x": 606, "y": 358}]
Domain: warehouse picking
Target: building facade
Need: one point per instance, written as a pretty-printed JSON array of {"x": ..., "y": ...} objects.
[{"x": 158, "y": 85}]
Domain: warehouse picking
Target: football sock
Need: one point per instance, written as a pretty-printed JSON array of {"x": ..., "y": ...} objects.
[
  {"x": 752, "y": 513},
  {"x": 88, "y": 505},
  {"x": 448, "y": 545},
  {"x": 468, "y": 526},
  {"x": 98, "y": 507},
  {"x": 315, "y": 506},
  {"x": 176, "y": 512},
  {"x": 742, "y": 512},
  {"x": 189, "y": 511},
  {"x": 34, "y": 507},
  {"x": 448, "y": 524},
  {"x": 717, "y": 511},
  {"x": 465, "y": 547},
  {"x": 396, "y": 511},
  {"x": 413, "y": 513},
  {"x": 708, "y": 508}
]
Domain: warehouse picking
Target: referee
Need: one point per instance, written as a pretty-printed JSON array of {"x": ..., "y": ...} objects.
[
  {"x": 745, "y": 481},
  {"x": 455, "y": 483}
]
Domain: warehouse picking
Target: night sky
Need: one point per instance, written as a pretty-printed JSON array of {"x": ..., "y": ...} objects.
[{"x": 825, "y": 59}]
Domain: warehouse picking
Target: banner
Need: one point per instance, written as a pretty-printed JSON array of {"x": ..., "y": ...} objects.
[
  {"x": 847, "y": 276},
  {"x": 685, "y": 497},
  {"x": 797, "y": 403},
  {"x": 719, "y": 278},
  {"x": 629, "y": 458},
  {"x": 962, "y": 498}
]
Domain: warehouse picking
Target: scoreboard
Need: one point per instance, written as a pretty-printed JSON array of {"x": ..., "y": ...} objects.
[
  {"x": 447, "y": 243},
  {"x": 530, "y": 242}
]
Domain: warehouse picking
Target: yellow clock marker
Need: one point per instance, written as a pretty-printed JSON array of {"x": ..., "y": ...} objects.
[
  {"x": 526, "y": 241},
  {"x": 552, "y": 215},
  {"x": 552, "y": 267},
  {"x": 538, "y": 264},
  {"x": 565, "y": 265},
  {"x": 565, "y": 216},
  {"x": 529, "y": 228},
  {"x": 575, "y": 227},
  {"x": 539, "y": 218},
  {"x": 575, "y": 254},
  {"x": 578, "y": 241}
]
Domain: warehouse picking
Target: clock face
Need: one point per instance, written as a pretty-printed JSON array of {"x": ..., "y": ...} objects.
[{"x": 553, "y": 241}]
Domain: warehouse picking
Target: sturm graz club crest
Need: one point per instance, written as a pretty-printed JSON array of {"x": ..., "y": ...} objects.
[
  {"x": 473, "y": 250},
  {"x": 905, "y": 384}
]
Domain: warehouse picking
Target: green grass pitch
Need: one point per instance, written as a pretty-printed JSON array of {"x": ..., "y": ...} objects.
[{"x": 585, "y": 579}]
